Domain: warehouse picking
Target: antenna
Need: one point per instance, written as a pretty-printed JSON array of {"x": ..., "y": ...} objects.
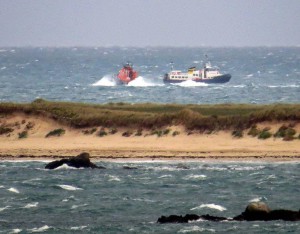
[{"x": 172, "y": 65}]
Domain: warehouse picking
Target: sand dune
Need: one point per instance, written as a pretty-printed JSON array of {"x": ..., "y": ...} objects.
[{"x": 220, "y": 145}]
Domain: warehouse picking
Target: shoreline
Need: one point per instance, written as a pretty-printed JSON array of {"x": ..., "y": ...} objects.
[{"x": 132, "y": 156}]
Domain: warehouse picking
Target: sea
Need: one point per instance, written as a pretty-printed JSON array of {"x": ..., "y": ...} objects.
[
  {"x": 129, "y": 196},
  {"x": 260, "y": 75}
]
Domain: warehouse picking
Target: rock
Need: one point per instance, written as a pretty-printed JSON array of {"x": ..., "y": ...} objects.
[
  {"x": 286, "y": 215},
  {"x": 265, "y": 214},
  {"x": 255, "y": 211},
  {"x": 82, "y": 160},
  {"x": 188, "y": 217},
  {"x": 129, "y": 168},
  {"x": 257, "y": 207},
  {"x": 178, "y": 219}
]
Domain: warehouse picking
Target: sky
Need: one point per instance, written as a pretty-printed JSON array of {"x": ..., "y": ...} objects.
[{"x": 182, "y": 23}]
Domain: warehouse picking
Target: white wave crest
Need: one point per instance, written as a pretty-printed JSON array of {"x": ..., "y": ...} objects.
[
  {"x": 165, "y": 176},
  {"x": 78, "y": 228},
  {"x": 211, "y": 206},
  {"x": 142, "y": 82},
  {"x": 13, "y": 190},
  {"x": 16, "y": 230},
  {"x": 283, "y": 86},
  {"x": 77, "y": 206},
  {"x": 258, "y": 199},
  {"x": 195, "y": 177},
  {"x": 196, "y": 229},
  {"x": 191, "y": 83},
  {"x": 41, "y": 229},
  {"x": 114, "y": 178},
  {"x": 31, "y": 205},
  {"x": 66, "y": 167},
  {"x": 4, "y": 208},
  {"x": 107, "y": 80},
  {"x": 69, "y": 187}
]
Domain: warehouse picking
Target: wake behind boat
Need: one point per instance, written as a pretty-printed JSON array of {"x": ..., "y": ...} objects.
[
  {"x": 207, "y": 74},
  {"x": 127, "y": 74}
]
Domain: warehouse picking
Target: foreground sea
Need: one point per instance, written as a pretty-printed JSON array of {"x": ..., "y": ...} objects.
[
  {"x": 118, "y": 200},
  {"x": 122, "y": 200}
]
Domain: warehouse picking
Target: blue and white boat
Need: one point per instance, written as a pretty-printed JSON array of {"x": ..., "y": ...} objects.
[{"x": 207, "y": 74}]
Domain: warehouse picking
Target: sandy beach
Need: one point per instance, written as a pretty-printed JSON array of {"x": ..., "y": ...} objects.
[{"x": 216, "y": 146}]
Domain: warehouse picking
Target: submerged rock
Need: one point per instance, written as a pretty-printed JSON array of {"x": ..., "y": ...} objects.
[
  {"x": 82, "y": 160},
  {"x": 255, "y": 211}
]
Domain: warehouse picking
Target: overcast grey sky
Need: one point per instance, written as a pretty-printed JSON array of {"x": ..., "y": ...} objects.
[{"x": 149, "y": 23}]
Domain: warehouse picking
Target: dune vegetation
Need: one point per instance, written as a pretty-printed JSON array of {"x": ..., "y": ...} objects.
[{"x": 201, "y": 118}]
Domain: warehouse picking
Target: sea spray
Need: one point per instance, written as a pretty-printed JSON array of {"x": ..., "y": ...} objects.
[
  {"x": 143, "y": 82},
  {"x": 210, "y": 206},
  {"x": 191, "y": 83},
  {"x": 107, "y": 80}
]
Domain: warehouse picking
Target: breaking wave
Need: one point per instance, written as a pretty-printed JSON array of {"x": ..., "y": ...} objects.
[
  {"x": 196, "y": 229},
  {"x": 191, "y": 83},
  {"x": 13, "y": 190},
  {"x": 31, "y": 205},
  {"x": 69, "y": 187},
  {"x": 211, "y": 206},
  {"x": 41, "y": 229},
  {"x": 143, "y": 82},
  {"x": 107, "y": 80}
]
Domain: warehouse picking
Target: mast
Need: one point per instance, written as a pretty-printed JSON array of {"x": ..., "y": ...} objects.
[{"x": 172, "y": 65}]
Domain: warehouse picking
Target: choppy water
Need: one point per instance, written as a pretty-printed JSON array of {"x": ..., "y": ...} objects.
[
  {"x": 259, "y": 75},
  {"x": 118, "y": 200}
]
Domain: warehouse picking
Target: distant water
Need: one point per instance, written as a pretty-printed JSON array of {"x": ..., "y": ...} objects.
[
  {"x": 259, "y": 75},
  {"x": 117, "y": 200}
]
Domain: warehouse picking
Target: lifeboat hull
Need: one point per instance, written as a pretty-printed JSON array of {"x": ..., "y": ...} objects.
[{"x": 126, "y": 75}]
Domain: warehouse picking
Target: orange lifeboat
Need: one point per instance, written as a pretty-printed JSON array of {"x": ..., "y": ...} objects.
[{"x": 127, "y": 74}]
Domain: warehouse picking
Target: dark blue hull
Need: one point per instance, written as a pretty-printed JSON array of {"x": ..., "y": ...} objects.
[{"x": 218, "y": 79}]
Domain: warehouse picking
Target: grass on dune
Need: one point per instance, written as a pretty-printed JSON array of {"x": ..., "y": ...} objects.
[{"x": 149, "y": 115}]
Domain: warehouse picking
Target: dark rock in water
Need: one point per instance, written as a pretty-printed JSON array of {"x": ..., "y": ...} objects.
[
  {"x": 182, "y": 166},
  {"x": 178, "y": 219},
  {"x": 82, "y": 160},
  {"x": 286, "y": 215},
  {"x": 188, "y": 217},
  {"x": 256, "y": 211},
  {"x": 213, "y": 218},
  {"x": 259, "y": 211},
  {"x": 129, "y": 168}
]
